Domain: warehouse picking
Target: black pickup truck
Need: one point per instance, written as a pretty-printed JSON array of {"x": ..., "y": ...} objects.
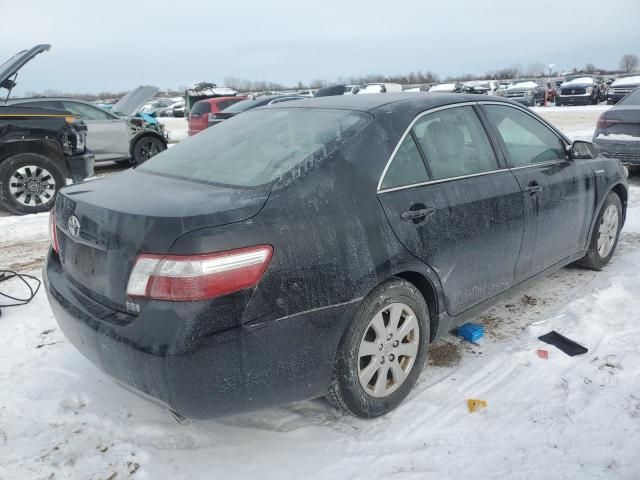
[{"x": 39, "y": 148}]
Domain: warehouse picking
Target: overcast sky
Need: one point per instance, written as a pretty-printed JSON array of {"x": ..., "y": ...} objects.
[{"x": 117, "y": 45}]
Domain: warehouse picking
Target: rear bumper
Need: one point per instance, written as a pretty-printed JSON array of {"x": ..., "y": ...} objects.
[
  {"x": 241, "y": 369},
  {"x": 627, "y": 152}
]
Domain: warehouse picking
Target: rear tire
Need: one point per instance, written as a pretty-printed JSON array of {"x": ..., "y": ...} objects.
[
  {"x": 392, "y": 324},
  {"x": 29, "y": 183},
  {"x": 145, "y": 148},
  {"x": 605, "y": 234}
]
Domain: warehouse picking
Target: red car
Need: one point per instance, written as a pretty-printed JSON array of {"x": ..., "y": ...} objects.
[{"x": 201, "y": 110}]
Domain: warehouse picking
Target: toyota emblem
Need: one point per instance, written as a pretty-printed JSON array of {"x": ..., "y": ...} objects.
[{"x": 74, "y": 226}]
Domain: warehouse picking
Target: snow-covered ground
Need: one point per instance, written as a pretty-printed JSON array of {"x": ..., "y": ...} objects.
[{"x": 564, "y": 417}]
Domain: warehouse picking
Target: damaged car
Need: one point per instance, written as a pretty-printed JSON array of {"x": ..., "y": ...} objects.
[
  {"x": 121, "y": 135},
  {"x": 367, "y": 227},
  {"x": 618, "y": 130},
  {"x": 39, "y": 148}
]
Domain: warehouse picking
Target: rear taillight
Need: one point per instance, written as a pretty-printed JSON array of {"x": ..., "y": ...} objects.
[
  {"x": 187, "y": 278},
  {"x": 604, "y": 122},
  {"x": 53, "y": 233}
]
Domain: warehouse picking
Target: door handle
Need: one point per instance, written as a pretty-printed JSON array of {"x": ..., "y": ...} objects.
[
  {"x": 416, "y": 215},
  {"x": 533, "y": 188}
]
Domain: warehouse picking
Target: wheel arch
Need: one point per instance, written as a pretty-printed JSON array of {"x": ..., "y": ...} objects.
[
  {"x": 47, "y": 148},
  {"x": 622, "y": 192},
  {"x": 142, "y": 134},
  {"x": 430, "y": 295}
]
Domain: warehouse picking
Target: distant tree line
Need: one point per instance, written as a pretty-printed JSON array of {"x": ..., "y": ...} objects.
[{"x": 627, "y": 64}]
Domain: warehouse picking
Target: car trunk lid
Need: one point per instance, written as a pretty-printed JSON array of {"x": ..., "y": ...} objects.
[{"x": 148, "y": 215}]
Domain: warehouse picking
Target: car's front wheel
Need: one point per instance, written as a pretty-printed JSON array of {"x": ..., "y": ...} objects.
[
  {"x": 145, "y": 148},
  {"x": 382, "y": 351},
  {"x": 605, "y": 234},
  {"x": 29, "y": 183}
]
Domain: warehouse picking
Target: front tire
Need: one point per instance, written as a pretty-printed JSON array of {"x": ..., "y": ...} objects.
[
  {"x": 605, "y": 234},
  {"x": 382, "y": 351},
  {"x": 145, "y": 148},
  {"x": 29, "y": 183}
]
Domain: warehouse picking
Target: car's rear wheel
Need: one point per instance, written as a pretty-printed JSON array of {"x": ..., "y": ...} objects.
[
  {"x": 382, "y": 352},
  {"x": 146, "y": 147},
  {"x": 605, "y": 234},
  {"x": 29, "y": 183}
]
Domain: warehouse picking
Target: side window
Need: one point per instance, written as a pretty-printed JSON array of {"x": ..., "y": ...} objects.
[
  {"x": 86, "y": 112},
  {"x": 45, "y": 104},
  {"x": 455, "y": 143},
  {"x": 528, "y": 141},
  {"x": 407, "y": 166}
]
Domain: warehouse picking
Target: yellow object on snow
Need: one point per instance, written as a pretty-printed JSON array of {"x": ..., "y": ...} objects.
[{"x": 475, "y": 405}]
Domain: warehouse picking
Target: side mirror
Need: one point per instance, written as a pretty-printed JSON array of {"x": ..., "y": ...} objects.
[{"x": 582, "y": 150}]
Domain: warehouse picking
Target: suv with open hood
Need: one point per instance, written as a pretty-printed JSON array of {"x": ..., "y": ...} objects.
[
  {"x": 122, "y": 135},
  {"x": 39, "y": 148}
]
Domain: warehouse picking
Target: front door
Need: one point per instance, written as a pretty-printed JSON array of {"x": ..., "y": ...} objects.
[
  {"x": 558, "y": 193},
  {"x": 454, "y": 206}
]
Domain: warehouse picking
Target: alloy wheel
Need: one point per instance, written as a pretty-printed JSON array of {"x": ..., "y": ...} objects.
[
  {"x": 148, "y": 149},
  {"x": 608, "y": 230},
  {"x": 388, "y": 350},
  {"x": 32, "y": 185}
]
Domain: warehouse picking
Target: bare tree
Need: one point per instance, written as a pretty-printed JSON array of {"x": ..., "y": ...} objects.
[
  {"x": 536, "y": 69},
  {"x": 629, "y": 62}
]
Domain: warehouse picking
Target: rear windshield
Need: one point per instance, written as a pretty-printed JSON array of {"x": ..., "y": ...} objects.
[
  {"x": 259, "y": 146},
  {"x": 200, "y": 108},
  {"x": 632, "y": 98}
]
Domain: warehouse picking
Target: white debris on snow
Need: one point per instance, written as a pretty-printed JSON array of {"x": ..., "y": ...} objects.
[{"x": 565, "y": 417}]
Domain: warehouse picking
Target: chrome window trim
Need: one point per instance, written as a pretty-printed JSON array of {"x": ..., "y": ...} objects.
[
  {"x": 442, "y": 180},
  {"x": 463, "y": 104},
  {"x": 541, "y": 164},
  {"x": 406, "y": 132}
]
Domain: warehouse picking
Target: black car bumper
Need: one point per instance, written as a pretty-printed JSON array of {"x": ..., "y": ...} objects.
[
  {"x": 240, "y": 369},
  {"x": 628, "y": 152},
  {"x": 574, "y": 100},
  {"x": 80, "y": 166}
]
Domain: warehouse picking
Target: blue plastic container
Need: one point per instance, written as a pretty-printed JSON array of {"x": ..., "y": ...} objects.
[{"x": 471, "y": 332}]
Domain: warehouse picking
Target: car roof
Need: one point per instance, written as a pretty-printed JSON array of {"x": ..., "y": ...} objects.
[
  {"x": 369, "y": 102},
  {"x": 220, "y": 99}
]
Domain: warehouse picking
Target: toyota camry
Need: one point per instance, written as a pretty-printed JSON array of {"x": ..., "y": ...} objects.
[{"x": 318, "y": 247}]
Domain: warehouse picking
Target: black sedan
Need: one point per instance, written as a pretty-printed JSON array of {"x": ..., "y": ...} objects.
[
  {"x": 317, "y": 247},
  {"x": 250, "y": 104},
  {"x": 618, "y": 130}
]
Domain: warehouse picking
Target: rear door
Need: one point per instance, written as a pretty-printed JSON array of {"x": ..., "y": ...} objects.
[
  {"x": 107, "y": 135},
  {"x": 558, "y": 194},
  {"x": 454, "y": 205}
]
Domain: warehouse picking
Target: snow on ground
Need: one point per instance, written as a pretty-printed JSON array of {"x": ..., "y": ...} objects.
[
  {"x": 176, "y": 128},
  {"x": 565, "y": 417}
]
